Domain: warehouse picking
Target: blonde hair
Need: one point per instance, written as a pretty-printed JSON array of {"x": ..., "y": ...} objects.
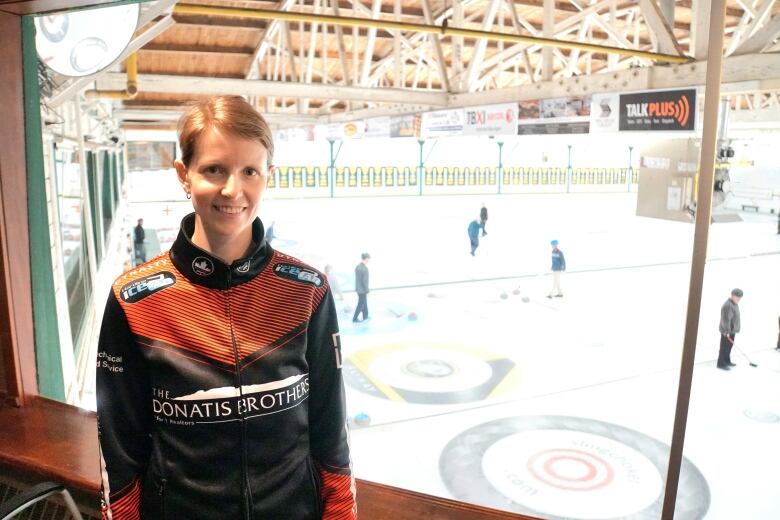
[{"x": 232, "y": 114}]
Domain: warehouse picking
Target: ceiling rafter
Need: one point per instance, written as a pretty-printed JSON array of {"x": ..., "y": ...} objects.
[
  {"x": 762, "y": 39},
  {"x": 390, "y": 65},
  {"x": 660, "y": 28}
]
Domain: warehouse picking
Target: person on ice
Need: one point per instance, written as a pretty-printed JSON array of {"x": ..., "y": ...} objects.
[
  {"x": 483, "y": 216},
  {"x": 558, "y": 266},
  {"x": 729, "y": 326},
  {"x": 473, "y": 230},
  {"x": 139, "y": 242},
  {"x": 219, "y": 386},
  {"x": 361, "y": 287}
]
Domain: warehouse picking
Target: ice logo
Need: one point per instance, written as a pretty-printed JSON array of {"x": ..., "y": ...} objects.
[
  {"x": 202, "y": 266},
  {"x": 157, "y": 282},
  {"x": 306, "y": 276},
  {"x": 293, "y": 272},
  {"x": 137, "y": 290}
]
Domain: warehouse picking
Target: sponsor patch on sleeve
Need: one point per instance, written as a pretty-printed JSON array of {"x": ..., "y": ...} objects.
[
  {"x": 298, "y": 274},
  {"x": 139, "y": 289}
]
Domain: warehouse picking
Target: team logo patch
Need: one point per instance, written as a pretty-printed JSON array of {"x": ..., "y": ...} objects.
[
  {"x": 137, "y": 290},
  {"x": 202, "y": 266},
  {"x": 298, "y": 274},
  {"x": 243, "y": 268}
]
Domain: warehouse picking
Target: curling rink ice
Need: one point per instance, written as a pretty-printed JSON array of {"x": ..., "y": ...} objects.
[{"x": 468, "y": 382}]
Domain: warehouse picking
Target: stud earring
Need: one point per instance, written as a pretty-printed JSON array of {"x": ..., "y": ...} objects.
[{"x": 189, "y": 195}]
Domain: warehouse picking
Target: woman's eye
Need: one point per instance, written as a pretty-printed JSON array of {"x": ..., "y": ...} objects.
[
  {"x": 212, "y": 169},
  {"x": 251, "y": 172}
]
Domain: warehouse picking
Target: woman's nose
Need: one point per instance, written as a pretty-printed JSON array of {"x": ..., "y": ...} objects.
[{"x": 232, "y": 185}]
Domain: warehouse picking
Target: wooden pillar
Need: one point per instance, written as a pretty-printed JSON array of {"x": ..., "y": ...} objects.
[{"x": 16, "y": 314}]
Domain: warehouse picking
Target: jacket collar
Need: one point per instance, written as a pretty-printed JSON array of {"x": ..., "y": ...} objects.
[{"x": 203, "y": 268}]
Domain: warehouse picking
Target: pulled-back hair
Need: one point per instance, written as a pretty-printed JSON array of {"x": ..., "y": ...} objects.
[{"x": 231, "y": 114}]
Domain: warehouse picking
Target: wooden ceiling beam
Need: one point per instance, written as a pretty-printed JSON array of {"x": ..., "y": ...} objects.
[
  {"x": 332, "y": 54},
  {"x": 762, "y": 38},
  {"x": 730, "y": 11},
  {"x": 761, "y": 71},
  {"x": 214, "y": 86},
  {"x": 207, "y": 49},
  {"x": 386, "y": 39},
  {"x": 203, "y": 25},
  {"x": 220, "y": 21}
]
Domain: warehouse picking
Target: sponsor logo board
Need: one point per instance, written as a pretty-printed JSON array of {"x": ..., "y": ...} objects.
[
  {"x": 442, "y": 123},
  {"x": 664, "y": 110},
  {"x": 563, "y": 115},
  {"x": 491, "y": 120}
]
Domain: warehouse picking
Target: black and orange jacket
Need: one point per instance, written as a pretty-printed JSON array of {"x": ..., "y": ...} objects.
[{"x": 219, "y": 390}]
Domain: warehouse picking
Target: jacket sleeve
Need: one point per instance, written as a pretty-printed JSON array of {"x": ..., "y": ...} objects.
[
  {"x": 124, "y": 419},
  {"x": 563, "y": 262},
  {"x": 725, "y": 319},
  {"x": 328, "y": 435}
]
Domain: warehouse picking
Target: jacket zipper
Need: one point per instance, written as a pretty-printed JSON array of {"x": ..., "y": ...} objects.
[{"x": 245, "y": 492}]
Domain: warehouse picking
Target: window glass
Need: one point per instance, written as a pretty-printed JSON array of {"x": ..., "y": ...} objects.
[
  {"x": 734, "y": 416},
  {"x": 150, "y": 155},
  {"x": 106, "y": 190},
  {"x": 93, "y": 168},
  {"x": 75, "y": 256}
]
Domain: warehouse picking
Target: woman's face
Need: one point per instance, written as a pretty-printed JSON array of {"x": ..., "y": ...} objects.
[{"x": 226, "y": 178}]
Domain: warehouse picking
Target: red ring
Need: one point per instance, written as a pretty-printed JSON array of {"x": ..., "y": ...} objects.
[
  {"x": 591, "y": 469},
  {"x": 610, "y": 476}
]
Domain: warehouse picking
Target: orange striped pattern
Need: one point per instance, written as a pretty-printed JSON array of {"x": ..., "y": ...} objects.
[
  {"x": 192, "y": 317},
  {"x": 277, "y": 306},
  {"x": 128, "y": 507},
  {"x": 338, "y": 491}
]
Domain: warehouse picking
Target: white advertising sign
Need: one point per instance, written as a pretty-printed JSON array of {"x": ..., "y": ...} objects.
[
  {"x": 353, "y": 129},
  {"x": 305, "y": 133},
  {"x": 329, "y": 132},
  {"x": 604, "y": 113},
  {"x": 442, "y": 123},
  {"x": 339, "y": 131},
  {"x": 491, "y": 120},
  {"x": 377, "y": 127}
]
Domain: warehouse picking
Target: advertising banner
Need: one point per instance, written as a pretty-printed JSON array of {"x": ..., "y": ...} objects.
[
  {"x": 405, "y": 126},
  {"x": 491, "y": 120},
  {"x": 564, "y": 115},
  {"x": 329, "y": 132},
  {"x": 340, "y": 131},
  {"x": 650, "y": 111},
  {"x": 377, "y": 127},
  {"x": 604, "y": 113},
  {"x": 353, "y": 129},
  {"x": 442, "y": 123},
  {"x": 298, "y": 134},
  {"x": 658, "y": 110}
]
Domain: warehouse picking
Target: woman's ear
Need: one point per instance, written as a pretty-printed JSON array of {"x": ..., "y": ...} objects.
[{"x": 181, "y": 173}]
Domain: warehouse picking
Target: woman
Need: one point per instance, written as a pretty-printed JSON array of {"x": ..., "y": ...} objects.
[{"x": 219, "y": 390}]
